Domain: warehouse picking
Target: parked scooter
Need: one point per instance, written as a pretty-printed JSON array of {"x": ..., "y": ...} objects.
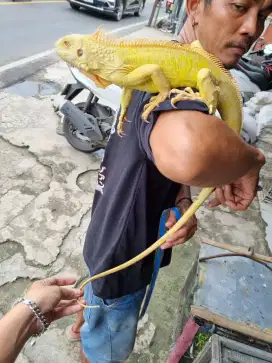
[
  {"x": 87, "y": 125},
  {"x": 266, "y": 64}
]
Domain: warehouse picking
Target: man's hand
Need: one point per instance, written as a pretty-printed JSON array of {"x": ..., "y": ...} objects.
[
  {"x": 184, "y": 233},
  {"x": 53, "y": 299},
  {"x": 238, "y": 195}
]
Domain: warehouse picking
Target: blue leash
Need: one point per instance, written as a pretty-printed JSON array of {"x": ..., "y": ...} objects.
[{"x": 158, "y": 256}]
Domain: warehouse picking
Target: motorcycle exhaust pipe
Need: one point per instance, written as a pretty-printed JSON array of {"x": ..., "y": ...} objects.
[{"x": 86, "y": 126}]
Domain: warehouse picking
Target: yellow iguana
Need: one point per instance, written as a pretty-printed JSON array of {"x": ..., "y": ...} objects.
[{"x": 160, "y": 67}]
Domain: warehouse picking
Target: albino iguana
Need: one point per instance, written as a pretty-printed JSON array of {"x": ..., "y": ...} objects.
[{"x": 160, "y": 67}]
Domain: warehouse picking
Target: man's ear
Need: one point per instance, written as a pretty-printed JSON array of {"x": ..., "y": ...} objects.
[{"x": 192, "y": 7}]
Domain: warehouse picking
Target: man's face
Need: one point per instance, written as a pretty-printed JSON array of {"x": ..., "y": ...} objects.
[{"x": 227, "y": 28}]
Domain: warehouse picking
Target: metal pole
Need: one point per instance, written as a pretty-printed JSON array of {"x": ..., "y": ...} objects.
[
  {"x": 182, "y": 18},
  {"x": 157, "y": 14},
  {"x": 153, "y": 13}
]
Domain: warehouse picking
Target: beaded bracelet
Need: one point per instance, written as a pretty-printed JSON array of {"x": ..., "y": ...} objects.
[{"x": 37, "y": 312}]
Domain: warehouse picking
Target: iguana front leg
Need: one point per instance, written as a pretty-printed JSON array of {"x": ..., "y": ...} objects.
[
  {"x": 125, "y": 101},
  {"x": 208, "y": 91},
  {"x": 185, "y": 94},
  {"x": 143, "y": 75}
]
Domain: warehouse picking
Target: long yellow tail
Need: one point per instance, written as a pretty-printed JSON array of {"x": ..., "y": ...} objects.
[{"x": 203, "y": 195}]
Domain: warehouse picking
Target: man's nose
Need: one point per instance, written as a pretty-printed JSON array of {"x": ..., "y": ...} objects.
[{"x": 250, "y": 24}]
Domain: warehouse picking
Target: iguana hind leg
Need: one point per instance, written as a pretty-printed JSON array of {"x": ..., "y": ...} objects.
[
  {"x": 143, "y": 75},
  {"x": 208, "y": 91},
  {"x": 125, "y": 101}
]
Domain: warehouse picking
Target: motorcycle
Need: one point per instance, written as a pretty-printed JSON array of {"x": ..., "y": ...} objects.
[
  {"x": 87, "y": 125},
  {"x": 169, "y": 6},
  {"x": 266, "y": 64}
]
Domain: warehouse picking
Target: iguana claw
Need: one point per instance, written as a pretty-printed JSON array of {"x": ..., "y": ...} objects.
[
  {"x": 186, "y": 94},
  {"x": 120, "y": 125},
  {"x": 153, "y": 103}
]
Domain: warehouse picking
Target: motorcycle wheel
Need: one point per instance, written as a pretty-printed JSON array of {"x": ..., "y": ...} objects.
[{"x": 77, "y": 139}]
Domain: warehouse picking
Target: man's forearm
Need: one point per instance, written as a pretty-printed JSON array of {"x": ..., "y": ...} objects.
[
  {"x": 194, "y": 149},
  {"x": 15, "y": 330}
]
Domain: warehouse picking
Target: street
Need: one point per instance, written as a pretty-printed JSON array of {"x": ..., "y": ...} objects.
[{"x": 30, "y": 28}]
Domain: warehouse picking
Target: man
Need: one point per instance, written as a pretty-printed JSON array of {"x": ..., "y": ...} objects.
[{"x": 143, "y": 173}]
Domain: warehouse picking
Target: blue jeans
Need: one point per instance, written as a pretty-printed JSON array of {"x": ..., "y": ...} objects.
[{"x": 108, "y": 334}]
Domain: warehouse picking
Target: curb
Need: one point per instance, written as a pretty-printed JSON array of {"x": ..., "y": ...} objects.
[{"x": 19, "y": 70}]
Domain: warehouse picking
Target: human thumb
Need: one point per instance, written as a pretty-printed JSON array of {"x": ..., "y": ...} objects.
[{"x": 171, "y": 221}]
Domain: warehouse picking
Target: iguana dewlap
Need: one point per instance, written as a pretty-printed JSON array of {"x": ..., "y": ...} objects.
[{"x": 160, "y": 67}]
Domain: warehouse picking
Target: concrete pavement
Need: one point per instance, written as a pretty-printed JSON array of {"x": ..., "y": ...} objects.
[{"x": 45, "y": 199}]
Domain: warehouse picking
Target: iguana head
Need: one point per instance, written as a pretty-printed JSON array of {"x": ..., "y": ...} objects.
[
  {"x": 91, "y": 54},
  {"x": 72, "y": 50}
]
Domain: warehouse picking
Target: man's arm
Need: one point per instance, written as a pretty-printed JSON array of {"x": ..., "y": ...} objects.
[
  {"x": 193, "y": 148},
  {"x": 20, "y": 323}
]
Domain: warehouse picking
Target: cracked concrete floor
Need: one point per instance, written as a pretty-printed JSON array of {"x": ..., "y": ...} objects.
[{"x": 45, "y": 199}]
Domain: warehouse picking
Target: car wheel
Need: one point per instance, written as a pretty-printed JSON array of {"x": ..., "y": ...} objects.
[
  {"x": 120, "y": 11},
  {"x": 74, "y": 6},
  {"x": 140, "y": 10}
]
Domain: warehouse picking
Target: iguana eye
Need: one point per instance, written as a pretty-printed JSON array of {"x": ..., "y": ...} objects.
[
  {"x": 79, "y": 52},
  {"x": 66, "y": 43}
]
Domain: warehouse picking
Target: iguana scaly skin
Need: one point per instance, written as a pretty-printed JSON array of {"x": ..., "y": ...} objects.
[{"x": 160, "y": 67}]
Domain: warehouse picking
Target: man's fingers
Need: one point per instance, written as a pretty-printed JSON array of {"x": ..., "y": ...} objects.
[
  {"x": 180, "y": 237},
  {"x": 64, "y": 303},
  {"x": 70, "y": 293},
  {"x": 220, "y": 195},
  {"x": 214, "y": 203},
  {"x": 171, "y": 221},
  {"x": 229, "y": 193},
  {"x": 171, "y": 244},
  {"x": 69, "y": 310},
  {"x": 241, "y": 206},
  {"x": 183, "y": 232},
  {"x": 59, "y": 281},
  {"x": 177, "y": 242}
]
